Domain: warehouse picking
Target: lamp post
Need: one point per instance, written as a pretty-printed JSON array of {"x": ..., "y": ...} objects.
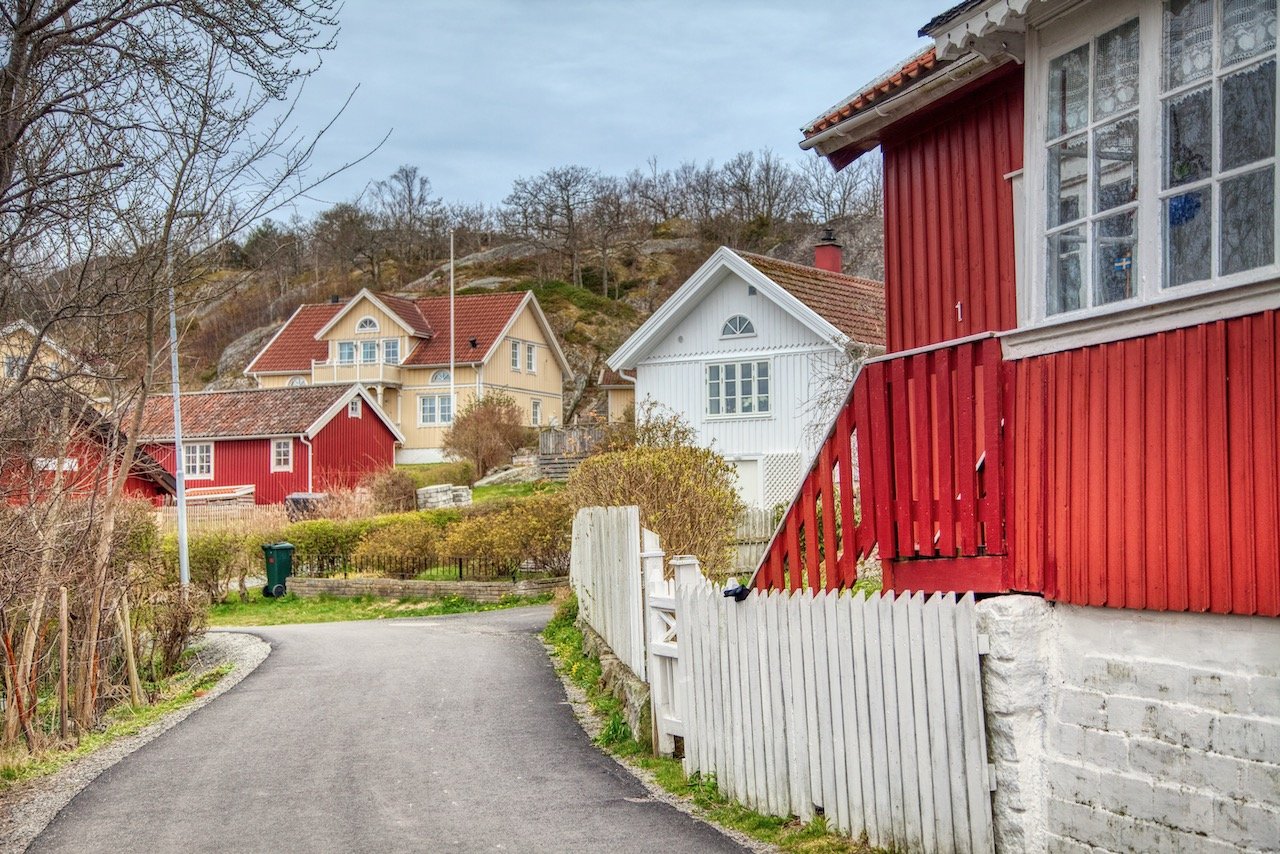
[{"x": 179, "y": 458}]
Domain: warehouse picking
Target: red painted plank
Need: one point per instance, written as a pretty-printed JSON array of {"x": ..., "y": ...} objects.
[
  {"x": 992, "y": 508},
  {"x": 1242, "y": 535},
  {"x": 944, "y": 370},
  {"x": 1115, "y": 428},
  {"x": 795, "y": 560},
  {"x": 1094, "y": 470},
  {"x": 1133, "y": 433},
  {"x": 966, "y": 450},
  {"x": 1077, "y": 475},
  {"x": 849, "y": 547},
  {"x": 951, "y": 575},
  {"x": 1266, "y": 329},
  {"x": 880, "y": 448},
  {"x": 809, "y": 518},
  {"x": 922, "y": 452},
  {"x": 903, "y": 486},
  {"x": 869, "y": 499},
  {"x": 827, "y": 490},
  {"x": 1180, "y": 468},
  {"x": 1219, "y": 503}
]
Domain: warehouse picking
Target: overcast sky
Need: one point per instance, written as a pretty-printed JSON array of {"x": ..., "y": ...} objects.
[{"x": 477, "y": 93}]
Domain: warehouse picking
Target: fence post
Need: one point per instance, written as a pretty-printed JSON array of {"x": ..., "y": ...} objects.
[
  {"x": 687, "y": 574},
  {"x": 653, "y": 587}
]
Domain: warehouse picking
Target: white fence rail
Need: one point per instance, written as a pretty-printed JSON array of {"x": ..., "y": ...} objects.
[
  {"x": 604, "y": 570},
  {"x": 869, "y": 708}
]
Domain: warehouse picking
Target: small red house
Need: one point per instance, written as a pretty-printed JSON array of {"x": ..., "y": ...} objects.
[
  {"x": 1080, "y": 396},
  {"x": 279, "y": 441}
]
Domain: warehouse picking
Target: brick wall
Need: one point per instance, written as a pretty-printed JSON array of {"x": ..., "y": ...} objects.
[
  {"x": 475, "y": 591},
  {"x": 1141, "y": 731}
]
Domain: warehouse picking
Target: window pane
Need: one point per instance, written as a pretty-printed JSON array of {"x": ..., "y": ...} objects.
[
  {"x": 1114, "y": 272},
  {"x": 730, "y": 372},
  {"x": 1248, "y": 29},
  {"x": 1249, "y": 115},
  {"x": 369, "y": 351},
  {"x": 1068, "y": 180},
  {"x": 730, "y": 389},
  {"x": 1188, "y": 41},
  {"x": 762, "y": 386},
  {"x": 446, "y": 409},
  {"x": 1188, "y": 137},
  {"x": 746, "y": 402},
  {"x": 1248, "y": 230},
  {"x": 1115, "y": 85},
  {"x": 714, "y": 389},
  {"x": 1115, "y": 153},
  {"x": 428, "y": 409},
  {"x": 713, "y": 372},
  {"x": 713, "y": 406},
  {"x": 1066, "y": 273},
  {"x": 762, "y": 403},
  {"x": 1069, "y": 92},
  {"x": 746, "y": 373},
  {"x": 762, "y": 370},
  {"x": 730, "y": 405},
  {"x": 1189, "y": 237}
]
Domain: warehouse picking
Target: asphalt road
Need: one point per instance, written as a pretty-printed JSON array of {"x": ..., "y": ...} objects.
[{"x": 438, "y": 734}]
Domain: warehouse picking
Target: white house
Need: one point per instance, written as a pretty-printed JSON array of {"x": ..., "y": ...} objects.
[{"x": 745, "y": 350}]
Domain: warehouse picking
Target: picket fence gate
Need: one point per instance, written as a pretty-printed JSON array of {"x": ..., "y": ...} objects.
[
  {"x": 605, "y": 574},
  {"x": 866, "y": 707}
]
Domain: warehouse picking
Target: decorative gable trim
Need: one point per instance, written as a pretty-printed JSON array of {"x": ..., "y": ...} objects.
[
  {"x": 365, "y": 293},
  {"x": 553, "y": 342},
  {"x": 709, "y": 276}
]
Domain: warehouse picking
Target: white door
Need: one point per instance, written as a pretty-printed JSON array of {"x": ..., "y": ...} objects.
[{"x": 748, "y": 482}]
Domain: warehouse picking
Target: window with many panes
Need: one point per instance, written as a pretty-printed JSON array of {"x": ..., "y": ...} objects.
[
  {"x": 435, "y": 409},
  {"x": 531, "y": 358},
  {"x": 391, "y": 351},
  {"x": 738, "y": 326},
  {"x": 515, "y": 355},
  {"x": 346, "y": 352},
  {"x": 282, "y": 455},
  {"x": 1158, "y": 152},
  {"x": 738, "y": 388},
  {"x": 197, "y": 460},
  {"x": 367, "y": 324},
  {"x": 535, "y": 413},
  {"x": 368, "y": 352}
]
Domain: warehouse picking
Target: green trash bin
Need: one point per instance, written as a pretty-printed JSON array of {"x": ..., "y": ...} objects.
[{"x": 279, "y": 558}]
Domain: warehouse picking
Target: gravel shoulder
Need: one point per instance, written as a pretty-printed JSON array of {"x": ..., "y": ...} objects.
[{"x": 26, "y": 810}]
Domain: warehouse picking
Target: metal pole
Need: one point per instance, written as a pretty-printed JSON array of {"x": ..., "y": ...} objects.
[
  {"x": 453, "y": 393},
  {"x": 179, "y": 464}
]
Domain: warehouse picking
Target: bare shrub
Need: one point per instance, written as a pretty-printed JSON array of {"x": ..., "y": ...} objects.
[
  {"x": 391, "y": 491},
  {"x": 488, "y": 431},
  {"x": 174, "y": 623}
]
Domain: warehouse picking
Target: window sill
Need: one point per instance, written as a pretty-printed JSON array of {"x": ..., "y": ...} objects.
[
  {"x": 1133, "y": 321},
  {"x": 737, "y": 416}
]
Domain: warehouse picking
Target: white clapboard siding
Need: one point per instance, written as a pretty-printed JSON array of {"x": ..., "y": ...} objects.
[
  {"x": 868, "y": 708},
  {"x": 605, "y": 572}
]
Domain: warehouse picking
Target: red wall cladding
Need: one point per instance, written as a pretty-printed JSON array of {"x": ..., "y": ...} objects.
[
  {"x": 243, "y": 462},
  {"x": 949, "y": 214},
  {"x": 1147, "y": 472},
  {"x": 348, "y": 448}
]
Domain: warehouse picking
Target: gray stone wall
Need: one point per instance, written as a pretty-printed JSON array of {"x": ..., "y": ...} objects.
[
  {"x": 475, "y": 591},
  {"x": 1152, "y": 731},
  {"x": 622, "y": 683}
]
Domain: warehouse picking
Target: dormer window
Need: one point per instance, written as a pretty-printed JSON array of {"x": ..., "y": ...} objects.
[
  {"x": 367, "y": 324},
  {"x": 737, "y": 326}
]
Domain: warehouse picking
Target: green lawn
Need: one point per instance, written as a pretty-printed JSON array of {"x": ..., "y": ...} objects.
[
  {"x": 260, "y": 611},
  {"x": 482, "y": 494}
]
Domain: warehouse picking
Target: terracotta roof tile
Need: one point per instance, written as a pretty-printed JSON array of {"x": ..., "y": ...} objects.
[
  {"x": 479, "y": 316},
  {"x": 295, "y": 346},
  {"x": 407, "y": 310},
  {"x": 851, "y": 304},
  {"x": 616, "y": 379},
  {"x": 248, "y": 412},
  {"x": 920, "y": 65}
]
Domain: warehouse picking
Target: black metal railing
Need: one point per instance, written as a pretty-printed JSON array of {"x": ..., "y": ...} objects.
[{"x": 425, "y": 567}]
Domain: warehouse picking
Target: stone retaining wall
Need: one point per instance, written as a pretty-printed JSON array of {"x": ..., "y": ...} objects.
[
  {"x": 475, "y": 591},
  {"x": 620, "y": 682}
]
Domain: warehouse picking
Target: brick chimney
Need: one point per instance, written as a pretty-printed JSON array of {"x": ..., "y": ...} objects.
[{"x": 827, "y": 255}]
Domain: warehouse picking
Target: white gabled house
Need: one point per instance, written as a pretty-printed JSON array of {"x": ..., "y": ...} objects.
[{"x": 746, "y": 348}]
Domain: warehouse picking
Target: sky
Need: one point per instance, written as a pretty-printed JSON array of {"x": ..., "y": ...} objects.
[{"x": 476, "y": 93}]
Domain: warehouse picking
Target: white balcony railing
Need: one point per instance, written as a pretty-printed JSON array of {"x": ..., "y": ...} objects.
[{"x": 330, "y": 371}]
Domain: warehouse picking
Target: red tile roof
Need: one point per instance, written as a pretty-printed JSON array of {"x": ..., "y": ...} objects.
[
  {"x": 249, "y": 412},
  {"x": 479, "y": 316},
  {"x": 851, "y": 304},
  {"x": 920, "y": 65},
  {"x": 616, "y": 379},
  {"x": 295, "y": 345}
]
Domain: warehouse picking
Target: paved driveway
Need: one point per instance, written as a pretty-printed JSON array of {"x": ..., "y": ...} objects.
[{"x": 438, "y": 734}]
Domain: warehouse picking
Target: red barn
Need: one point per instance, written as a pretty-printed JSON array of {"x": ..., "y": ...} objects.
[{"x": 279, "y": 441}]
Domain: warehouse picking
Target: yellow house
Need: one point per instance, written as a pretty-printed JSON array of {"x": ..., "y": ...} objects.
[
  {"x": 398, "y": 348},
  {"x": 620, "y": 394},
  {"x": 49, "y": 359}
]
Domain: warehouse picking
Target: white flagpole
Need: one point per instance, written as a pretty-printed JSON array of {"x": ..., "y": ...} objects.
[{"x": 453, "y": 393}]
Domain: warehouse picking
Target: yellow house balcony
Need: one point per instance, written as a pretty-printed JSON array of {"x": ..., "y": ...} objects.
[{"x": 379, "y": 373}]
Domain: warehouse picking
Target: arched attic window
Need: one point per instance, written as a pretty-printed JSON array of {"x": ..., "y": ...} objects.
[
  {"x": 737, "y": 326},
  {"x": 367, "y": 324},
  {"x": 440, "y": 376},
  {"x": 295, "y": 382}
]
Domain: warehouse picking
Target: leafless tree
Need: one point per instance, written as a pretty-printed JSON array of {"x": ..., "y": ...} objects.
[
  {"x": 551, "y": 211},
  {"x": 413, "y": 219}
]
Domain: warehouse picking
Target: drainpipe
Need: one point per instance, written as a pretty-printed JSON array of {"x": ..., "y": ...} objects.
[{"x": 311, "y": 469}]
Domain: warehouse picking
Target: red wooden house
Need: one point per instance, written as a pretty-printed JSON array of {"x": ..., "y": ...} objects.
[
  {"x": 1081, "y": 395},
  {"x": 278, "y": 441}
]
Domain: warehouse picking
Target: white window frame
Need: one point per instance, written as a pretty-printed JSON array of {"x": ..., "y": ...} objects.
[
  {"x": 530, "y": 358},
  {"x": 365, "y": 351},
  {"x": 277, "y": 445},
  {"x": 440, "y": 376},
  {"x": 755, "y": 396},
  {"x": 515, "y": 356},
  {"x": 1153, "y": 306},
  {"x": 387, "y": 345},
  {"x": 535, "y": 412},
  {"x": 192, "y": 468},
  {"x": 343, "y": 360},
  {"x": 297, "y": 382},
  {"x": 751, "y": 327},
  {"x": 13, "y": 366},
  {"x": 367, "y": 324},
  {"x": 355, "y": 407},
  {"x": 438, "y": 404}
]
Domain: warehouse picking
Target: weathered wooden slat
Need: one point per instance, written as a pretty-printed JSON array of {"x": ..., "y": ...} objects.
[
  {"x": 900, "y": 437},
  {"x": 946, "y": 455},
  {"x": 966, "y": 451},
  {"x": 920, "y": 425}
]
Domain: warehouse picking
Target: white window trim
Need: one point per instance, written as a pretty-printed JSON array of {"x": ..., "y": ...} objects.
[
  {"x": 355, "y": 352},
  {"x": 355, "y": 407},
  {"x": 377, "y": 352},
  {"x": 535, "y": 412},
  {"x": 276, "y": 467},
  {"x": 186, "y": 446},
  {"x": 296, "y": 382},
  {"x": 530, "y": 358},
  {"x": 399, "y": 355},
  {"x": 1153, "y": 308},
  {"x": 360, "y": 323},
  {"x": 751, "y": 334},
  {"x": 437, "y": 422},
  {"x": 437, "y": 371},
  {"x": 515, "y": 356},
  {"x": 736, "y": 416}
]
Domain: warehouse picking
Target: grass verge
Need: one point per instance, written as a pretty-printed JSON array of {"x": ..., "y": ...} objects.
[
  {"x": 500, "y": 491},
  {"x": 260, "y": 611},
  {"x": 788, "y": 834},
  {"x": 122, "y": 721}
]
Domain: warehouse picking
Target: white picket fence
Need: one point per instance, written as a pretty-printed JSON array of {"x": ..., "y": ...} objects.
[
  {"x": 867, "y": 708},
  {"x": 605, "y": 574}
]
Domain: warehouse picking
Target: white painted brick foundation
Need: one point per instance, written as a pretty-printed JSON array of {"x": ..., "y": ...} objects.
[{"x": 1120, "y": 730}]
